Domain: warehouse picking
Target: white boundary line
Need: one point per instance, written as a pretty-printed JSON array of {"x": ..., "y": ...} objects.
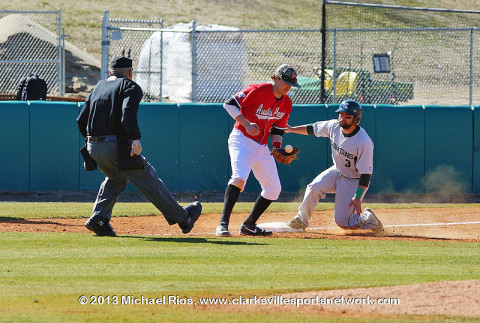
[
  {"x": 406, "y": 225},
  {"x": 428, "y": 224}
]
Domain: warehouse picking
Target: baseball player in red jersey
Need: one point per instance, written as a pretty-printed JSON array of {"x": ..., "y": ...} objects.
[{"x": 260, "y": 110}]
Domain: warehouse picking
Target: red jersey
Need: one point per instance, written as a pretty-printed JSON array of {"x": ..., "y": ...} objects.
[{"x": 258, "y": 105}]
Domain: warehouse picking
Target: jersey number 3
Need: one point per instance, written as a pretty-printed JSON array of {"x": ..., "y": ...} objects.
[{"x": 347, "y": 163}]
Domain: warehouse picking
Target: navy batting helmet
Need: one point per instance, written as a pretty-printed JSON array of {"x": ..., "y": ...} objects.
[{"x": 352, "y": 108}]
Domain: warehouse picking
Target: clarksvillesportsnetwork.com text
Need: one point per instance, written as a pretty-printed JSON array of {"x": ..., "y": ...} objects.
[
  {"x": 297, "y": 301},
  {"x": 238, "y": 300}
]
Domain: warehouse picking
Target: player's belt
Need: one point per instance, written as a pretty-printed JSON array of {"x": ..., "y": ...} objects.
[{"x": 101, "y": 138}]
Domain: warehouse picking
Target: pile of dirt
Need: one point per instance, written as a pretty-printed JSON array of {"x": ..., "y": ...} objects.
[{"x": 24, "y": 39}]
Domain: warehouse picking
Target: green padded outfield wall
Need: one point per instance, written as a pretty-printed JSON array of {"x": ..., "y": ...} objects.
[
  {"x": 400, "y": 148},
  {"x": 89, "y": 181},
  {"x": 204, "y": 159},
  {"x": 417, "y": 148},
  {"x": 476, "y": 150},
  {"x": 54, "y": 156},
  {"x": 159, "y": 125},
  {"x": 448, "y": 149},
  {"x": 15, "y": 142}
]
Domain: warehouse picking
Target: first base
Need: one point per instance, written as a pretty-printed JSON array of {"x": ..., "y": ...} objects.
[{"x": 278, "y": 227}]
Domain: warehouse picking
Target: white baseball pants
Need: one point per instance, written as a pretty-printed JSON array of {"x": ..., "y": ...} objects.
[{"x": 247, "y": 155}]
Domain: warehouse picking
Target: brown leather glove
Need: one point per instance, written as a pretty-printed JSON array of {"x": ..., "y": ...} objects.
[{"x": 283, "y": 157}]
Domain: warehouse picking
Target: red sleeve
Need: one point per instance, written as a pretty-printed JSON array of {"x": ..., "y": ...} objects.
[
  {"x": 283, "y": 122},
  {"x": 245, "y": 97}
]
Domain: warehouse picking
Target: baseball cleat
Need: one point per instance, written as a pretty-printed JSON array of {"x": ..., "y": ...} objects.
[
  {"x": 254, "y": 231},
  {"x": 101, "y": 227},
  {"x": 222, "y": 231},
  {"x": 297, "y": 223},
  {"x": 194, "y": 210},
  {"x": 372, "y": 222}
]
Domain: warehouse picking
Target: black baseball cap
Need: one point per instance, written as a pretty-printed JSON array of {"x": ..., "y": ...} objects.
[
  {"x": 287, "y": 74},
  {"x": 121, "y": 62}
]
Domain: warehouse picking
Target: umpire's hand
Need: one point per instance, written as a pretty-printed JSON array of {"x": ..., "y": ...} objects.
[{"x": 136, "y": 147}]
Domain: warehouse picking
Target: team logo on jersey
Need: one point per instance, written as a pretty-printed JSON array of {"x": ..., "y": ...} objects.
[
  {"x": 240, "y": 95},
  {"x": 341, "y": 151},
  {"x": 268, "y": 113}
]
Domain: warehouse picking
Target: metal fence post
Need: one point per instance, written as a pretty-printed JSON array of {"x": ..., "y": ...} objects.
[
  {"x": 334, "y": 87},
  {"x": 105, "y": 45},
  {"x": 63, "y": 61},
  {"x": 161, "y": 60},
  {"x": 194, "y": 61},
  {"x": 60, "y": 57},
  {"x": 471, "y": 68},
  {"x": 324, "y": 54}
]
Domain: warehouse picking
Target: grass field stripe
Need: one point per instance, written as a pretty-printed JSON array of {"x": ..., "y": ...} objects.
[{"x": 406, "y": 225}]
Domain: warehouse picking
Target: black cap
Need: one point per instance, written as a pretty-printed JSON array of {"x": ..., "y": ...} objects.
[
  {"x": 121, "y": 62},
  {"x": 287, "y": 74}
]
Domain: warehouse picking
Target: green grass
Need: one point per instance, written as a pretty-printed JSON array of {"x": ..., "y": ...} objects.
[
  {"x": 42, "y": 210},
  {"x": 44, "y": 274}
]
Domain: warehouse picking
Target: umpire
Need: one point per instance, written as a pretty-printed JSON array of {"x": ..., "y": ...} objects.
[{"x": 108, "y": 121}]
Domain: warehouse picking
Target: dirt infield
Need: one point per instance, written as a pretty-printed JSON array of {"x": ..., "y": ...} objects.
[
  {"x": 460, "y": 298},
  {"x": 417, "y": 224},
  {"x": 456, "y": 224}
]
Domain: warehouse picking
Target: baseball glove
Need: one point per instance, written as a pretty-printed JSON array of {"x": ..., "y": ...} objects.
[{"x": 283, "y": 157}]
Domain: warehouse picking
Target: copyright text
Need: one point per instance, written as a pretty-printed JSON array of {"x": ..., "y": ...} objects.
[{"x": 233, "y": 301}]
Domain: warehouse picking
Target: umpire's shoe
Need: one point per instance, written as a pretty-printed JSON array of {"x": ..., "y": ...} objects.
[
  {"x": 101, "y": 227},
  {"x": 194, "y": 210},
  {"x": 254, "y": 231}
]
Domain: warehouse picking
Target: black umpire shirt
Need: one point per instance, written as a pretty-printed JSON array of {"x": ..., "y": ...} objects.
[{"x": 111, "y": 109}]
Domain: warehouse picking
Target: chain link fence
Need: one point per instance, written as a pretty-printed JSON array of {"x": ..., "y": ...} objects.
[
  {"x": 189, "y": 63},
  {"x": 380, "y": 54},
  {"x": 429, "y": 55},
  {"x": 31, "y": 42}
]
